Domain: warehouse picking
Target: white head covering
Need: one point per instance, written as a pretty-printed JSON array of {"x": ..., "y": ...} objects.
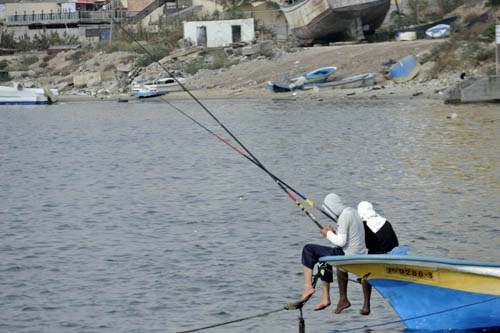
[
  {"x": 333, "y": 205},
  {"x": 368, "y": 214}
]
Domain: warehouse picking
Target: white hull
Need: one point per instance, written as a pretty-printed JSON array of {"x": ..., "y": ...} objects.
[
  {"x": 17, "y": 94},
  {"x": 157, "y": 87}
]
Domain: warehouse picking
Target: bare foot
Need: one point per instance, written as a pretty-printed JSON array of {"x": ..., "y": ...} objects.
[
  {"x": 341, "y": 306},
  {"x": 364, "y": 311},
  {"x": 307, "y": 293},
  {"x": 322, "y": 305}
]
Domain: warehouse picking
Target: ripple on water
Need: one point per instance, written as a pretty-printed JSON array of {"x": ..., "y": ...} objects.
[{"x": 130, "y": 218}]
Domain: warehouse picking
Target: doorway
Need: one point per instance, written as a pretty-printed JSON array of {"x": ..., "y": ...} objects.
[
  {"x": 236, "y": 32},
  {"x": 201, "y": 36}
]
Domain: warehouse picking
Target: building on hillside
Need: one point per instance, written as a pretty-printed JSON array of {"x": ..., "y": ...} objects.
[
  {"x": 267, "y": 14},
  {"x": 219, "y": 33},
  {"x": 89, "y": 20}
]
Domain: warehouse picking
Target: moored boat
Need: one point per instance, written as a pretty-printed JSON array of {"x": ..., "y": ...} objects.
[
  {"x": 330, "y": 20},
  {"x": 316, "y": 76},
  {"x": 432, "y": 293},
  {"x": 18, "y": 94}
]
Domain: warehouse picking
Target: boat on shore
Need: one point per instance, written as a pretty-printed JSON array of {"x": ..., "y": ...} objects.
[
  {"x": 405, "y": 69},
  {"x": 432, "y": 293},
  {"x": 332, "y": 20},
  {"x": 157, "y": 87},
  {"x": 18, "y": 94},
  {"x": 357, "y": 81},
  {"x": 315, "y": 77}
]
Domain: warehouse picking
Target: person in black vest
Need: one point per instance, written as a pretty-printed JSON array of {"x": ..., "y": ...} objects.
[{"x": 380, "y": 238}]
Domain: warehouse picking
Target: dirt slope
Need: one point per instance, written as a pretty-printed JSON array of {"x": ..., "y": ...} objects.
[{"x": 350, "y": 60}]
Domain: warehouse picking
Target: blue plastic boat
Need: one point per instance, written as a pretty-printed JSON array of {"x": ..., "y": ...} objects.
[
  {"x": 405, "y": 69},
  {"x": 317, "y": 76}
]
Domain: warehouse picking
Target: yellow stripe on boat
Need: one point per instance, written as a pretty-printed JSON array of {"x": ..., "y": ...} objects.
[{"x": 438, "y": 277}]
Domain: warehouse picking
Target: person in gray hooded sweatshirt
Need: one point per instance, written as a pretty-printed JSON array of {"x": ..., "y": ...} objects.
[{"x": 349, "y": 239}]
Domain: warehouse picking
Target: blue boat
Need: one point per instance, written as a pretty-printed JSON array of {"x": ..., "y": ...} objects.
[
  {"x": 317, "y": 76},
  {"x": 405, "y": 69},
  {"x": 431, "y": 293}
]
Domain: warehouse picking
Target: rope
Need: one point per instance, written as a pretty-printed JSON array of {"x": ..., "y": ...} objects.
[
  {"x": 416, "y": 317},
  {"x": 290, "y": 306}
]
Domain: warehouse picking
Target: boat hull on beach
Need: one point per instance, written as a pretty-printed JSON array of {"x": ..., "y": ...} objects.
[
  {"x": 357, "y": 81},
  {"x": 331, "y": 20},
  {"x": 432, "y": 293},
  {"x": 317, "y": 76},
  {"x": 157, "y": 87}
]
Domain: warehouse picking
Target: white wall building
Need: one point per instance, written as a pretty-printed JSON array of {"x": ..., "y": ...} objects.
[{"x": 219, "y": 33}]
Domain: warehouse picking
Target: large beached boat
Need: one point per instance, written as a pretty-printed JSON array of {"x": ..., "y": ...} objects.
[{"x": 331, "y": 20}]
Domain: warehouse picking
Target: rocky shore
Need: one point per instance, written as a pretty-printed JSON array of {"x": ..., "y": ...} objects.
[{"x": 82, "y": 75}]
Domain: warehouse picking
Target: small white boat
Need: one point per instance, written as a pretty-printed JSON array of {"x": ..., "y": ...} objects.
[
  {"x": 18, "y": 94},
  {"x": 158, "y": 87},
  {"x": 438, "y": 31}
]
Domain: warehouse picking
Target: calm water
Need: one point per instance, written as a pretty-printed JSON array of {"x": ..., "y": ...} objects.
[{"x": 128, "y": 217}]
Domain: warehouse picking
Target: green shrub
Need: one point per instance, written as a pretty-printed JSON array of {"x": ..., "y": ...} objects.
[
  {"x": 27, "y": 61},
  {"x": 489, "y": 30},
  {"x": 4, "y": 64},
  {"x": 78, "y": 56},
  {"x": 7, "y": 40},
  {"x": 43, "y": 65},
  {"x": 48, "y": 57},
  {"x": 192, "y": 68},
  {"x": 154, "y": 53},
  {"x": 5, "y": 77},
  {"x": 448, "y": 6},
  {"x": 431, "y": 56}
]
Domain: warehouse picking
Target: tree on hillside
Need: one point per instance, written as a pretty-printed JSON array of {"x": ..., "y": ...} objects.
[
  {"x": 416, "y": 7},
  {"x": 447, "y": 6}
]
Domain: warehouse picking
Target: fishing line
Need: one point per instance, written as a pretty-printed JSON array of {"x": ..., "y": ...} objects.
[{"x": 250, "y": 156}]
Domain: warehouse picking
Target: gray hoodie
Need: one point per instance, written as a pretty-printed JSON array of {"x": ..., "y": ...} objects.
[{"x": 350, "y": 232}]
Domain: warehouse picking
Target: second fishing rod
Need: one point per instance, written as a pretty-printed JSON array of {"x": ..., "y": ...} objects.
[{"x": 252, "y": 158}]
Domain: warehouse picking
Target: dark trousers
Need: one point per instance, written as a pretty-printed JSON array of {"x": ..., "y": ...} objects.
[{"x": 311, "y": 254}]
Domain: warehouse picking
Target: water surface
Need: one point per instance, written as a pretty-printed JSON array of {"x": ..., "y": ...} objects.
[{"x": 128, "y": 217}]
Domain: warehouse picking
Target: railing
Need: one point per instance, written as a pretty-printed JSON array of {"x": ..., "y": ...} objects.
[{"x": 68, "y": 16}]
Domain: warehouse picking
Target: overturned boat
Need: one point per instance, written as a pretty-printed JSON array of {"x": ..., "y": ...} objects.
[{"x": 332, "y": 20}]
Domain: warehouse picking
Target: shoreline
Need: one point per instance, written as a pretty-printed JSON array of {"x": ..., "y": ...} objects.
[{"x": 414, "y": 90}]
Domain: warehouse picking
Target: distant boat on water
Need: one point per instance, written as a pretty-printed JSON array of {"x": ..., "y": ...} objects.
[
  {"x": 331, "y": 20},
  {"x": 18, "y": 94}
]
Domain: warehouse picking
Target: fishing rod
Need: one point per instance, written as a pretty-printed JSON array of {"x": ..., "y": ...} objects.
[
  {"x": 250, "y": 156},
  {"x": 280, "y": 183}
]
